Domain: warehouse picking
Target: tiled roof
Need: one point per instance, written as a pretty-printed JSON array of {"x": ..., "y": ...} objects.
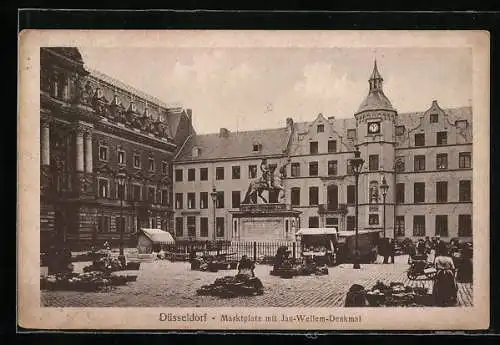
[
  {"x": 412, "y": 120},
  {"x": 238, "y": 144},
  {"x": 375, "y": 100}
]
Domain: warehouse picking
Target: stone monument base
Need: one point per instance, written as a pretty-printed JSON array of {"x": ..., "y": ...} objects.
[{"x": 273, "y": 222}]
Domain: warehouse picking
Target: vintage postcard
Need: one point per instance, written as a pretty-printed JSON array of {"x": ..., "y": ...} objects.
[{"x": 266, "y": 180}]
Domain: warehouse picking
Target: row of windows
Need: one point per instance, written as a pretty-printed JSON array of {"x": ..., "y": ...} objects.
[
  {"x": 104, "y": 224},
  {"x": 203, "y": 198},
  {"x": 192, "y": 227},
  {"x": 219, "y": 173},
  {"x": 331, "y": 146},
  {"x": 441, "y": 224},
  {"x": 135, "y": 192},
  {"x": 136, "y": 160},
  {"x": 464, "y": 162},
  {"x": 464, "y": 191},
  {"x": 441, "y": 137}
]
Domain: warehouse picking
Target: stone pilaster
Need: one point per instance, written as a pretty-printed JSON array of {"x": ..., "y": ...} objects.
[
  {"x": 88, "y": 151},
  {"x": 45, "y": 140}
]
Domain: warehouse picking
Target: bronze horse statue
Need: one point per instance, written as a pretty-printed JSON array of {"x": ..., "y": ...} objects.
[{"x": 256, "y": 187}]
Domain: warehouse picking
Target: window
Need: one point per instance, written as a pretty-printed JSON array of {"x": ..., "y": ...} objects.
[
  {"x": 419, "y": 192},
  {"x": 313, "y": 147},
  {"x": 442, "y": 226},
  {"x": 418, "y": 225},
  {"x": 103, "y": 187},
  {"x": 191, "y": 226},
  {"x": 351, "y": 134},
  {"x": 252, "y": 171},
  {"x": 191, "y": 174},
  {"x": 178, "y": 175},
  {"x": 313, "y": 168},
  {"x": 103, "y": 153},
  {"x": 373, "y": 219},
  {"x": 400, "y": 226},
  {"x": 219, "y": 173},
  {"x": 464, "y": 191},
  {"x": 441, "y": 191},
  {"x": 313, "y": 195},
  {"x": 120, "y": 191},
  {"x": 178, "y": 200},
  {"x": 373, "y": 162},
  {"x": 219, "y": 224},
  {"x": 351, "y": 223},
  {"x": 419, "y": 163},
  {"x": 295, "y": 169},
  {"x": 442, "y": 138},
  {"x": 164, "y": 197},
  {"x": 313, "y": 222},
  {"x": 204, "y": 174},
  {"x": 441, "y": 161},
  {"x": 103, "y": 225},
  {"x": 420, "y": 139},
  {"x": 351, "y": 194},
  {"x": 235, "y": 172},
  {"x": 295, "y": 196},
  {"x": 151, "y": 164},
  {"x": 119, "y": 222},
  {"x": 220, "y": 200},
  {"x": 137, "y": 161},
  {"x": 464, "y": 159},
  {"x": 164, "y": 168},
  {"x": 434, "y": 118},
  {"x": 203, "y": 200},
  {"x": 204, "y": 227},
  {"x": 256, "y": 147},
  {"x": 179, "y": 231},
  {"x": 461, "y": 124},
  {"x": 320, "y": 128},
  {"x": 332, "y": 168},
  {"x": 191, "y": 200},
  {"x": 350, "y": 171},
  {"x": 332, "y": 146},
  {"x": 121, "y": 157},
  {"x": 400, "y": 193},
  {"x": 464, "y": 225},
  {"x": 331, "y": 222},
  {"x": 151, "y": 194},
  {"x": 399, "y": 164},
  {"x": 136, "y": 192},
  {"x": 400, "y": 130},
  {"x": 235, "y": 198}
]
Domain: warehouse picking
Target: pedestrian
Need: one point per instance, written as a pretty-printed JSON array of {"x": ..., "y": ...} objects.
[
  {"x": 246, "y": 267},
  {"x": 444, "y": 290},
  {"x": 421, "y": 247},
  {"x": 386, "y": 251}
]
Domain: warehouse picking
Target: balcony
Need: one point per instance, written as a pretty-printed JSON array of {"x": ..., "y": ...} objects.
[{"x": 332, "y": 208}]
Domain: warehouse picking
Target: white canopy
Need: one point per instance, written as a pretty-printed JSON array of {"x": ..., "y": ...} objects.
[
  {"x": 317, "y": 231},
  {"x": 158, "y": 236}
]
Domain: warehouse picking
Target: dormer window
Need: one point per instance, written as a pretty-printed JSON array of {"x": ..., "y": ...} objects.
[
  {"x": 434, "y": 118},
  {"x": 196, "y": 152},
  {"x": 256, "y": 147},
  {"x": 320, "y": 128}
]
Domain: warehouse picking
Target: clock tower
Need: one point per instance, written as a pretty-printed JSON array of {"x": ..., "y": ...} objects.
[{"x": 375, "y": 124}]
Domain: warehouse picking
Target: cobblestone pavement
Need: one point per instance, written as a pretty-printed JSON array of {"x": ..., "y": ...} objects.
[{"x": 164, "y": 283}]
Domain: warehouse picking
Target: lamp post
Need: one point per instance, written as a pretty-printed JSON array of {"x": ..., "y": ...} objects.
[
  {"x": 356, "y": 164},
  {"x": 121, "y": 183},
  {"x": 384, "y": 187},
  {"x": 213, "y": 194}
]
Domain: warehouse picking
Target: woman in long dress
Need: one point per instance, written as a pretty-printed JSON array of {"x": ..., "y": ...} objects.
[{"x": 445, "y": 286}]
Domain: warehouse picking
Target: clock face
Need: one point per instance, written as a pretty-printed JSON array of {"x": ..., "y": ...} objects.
[{"x": 374, "y": 127}]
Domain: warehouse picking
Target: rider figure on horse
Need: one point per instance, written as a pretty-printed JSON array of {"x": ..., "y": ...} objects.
[{"x": 266, "y": 173}]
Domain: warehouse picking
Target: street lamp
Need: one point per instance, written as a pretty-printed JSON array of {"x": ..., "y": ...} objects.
[
  {"x": 384, "y": 187},
  {"x": 214, "y": 199},
  {"x": 356, "y": 164},
  {"x": 120, "y": 177}
]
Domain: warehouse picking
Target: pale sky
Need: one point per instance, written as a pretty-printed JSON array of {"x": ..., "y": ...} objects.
[{"x": 249, "y": 88}]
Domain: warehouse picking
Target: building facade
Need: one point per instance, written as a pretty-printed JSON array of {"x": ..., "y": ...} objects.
[
  {"x": 424, "y": 157},
  {"x": 93, "y": 130}
]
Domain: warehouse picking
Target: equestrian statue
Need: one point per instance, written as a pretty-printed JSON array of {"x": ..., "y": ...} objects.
[{"x": 269, "y": 181}]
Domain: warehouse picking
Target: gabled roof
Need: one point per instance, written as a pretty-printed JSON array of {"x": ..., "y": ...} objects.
[{"x": 233, "y": 145}]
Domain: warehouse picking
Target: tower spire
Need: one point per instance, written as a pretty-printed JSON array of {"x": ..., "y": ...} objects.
[{"x": 376, "y": 79}]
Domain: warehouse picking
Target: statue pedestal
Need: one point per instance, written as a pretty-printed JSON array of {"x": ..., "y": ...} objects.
[{"x": 271, "y": 222}]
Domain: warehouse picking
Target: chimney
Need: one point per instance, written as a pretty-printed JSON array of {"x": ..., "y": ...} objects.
[
  {"x": 189, "y": 113},
  {"x": 289, "y": 123},
  {"x": 224, "y": 133}
]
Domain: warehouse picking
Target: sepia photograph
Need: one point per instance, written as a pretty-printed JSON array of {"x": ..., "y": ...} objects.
[{"x": 266, "y": 180}]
